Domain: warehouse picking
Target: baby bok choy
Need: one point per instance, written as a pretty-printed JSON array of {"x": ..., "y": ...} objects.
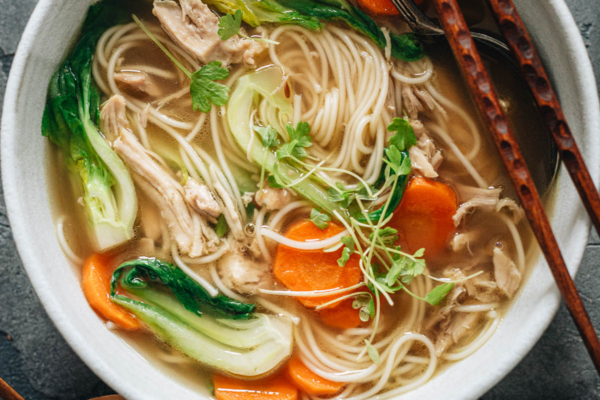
[
  {"x": 217, "y": 331},
  {"x": 70, "y": 121},
  {"x": 269, "y": 82}
]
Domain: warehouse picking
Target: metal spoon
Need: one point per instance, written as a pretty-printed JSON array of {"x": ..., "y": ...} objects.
[{"x": 422, "y": 25}]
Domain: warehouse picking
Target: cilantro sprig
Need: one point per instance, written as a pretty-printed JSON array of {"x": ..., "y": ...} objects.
[
  {"x": 229, "y": 26},
  {"x": 300, "y": 140},
  {"x": 204, "y": 89}
]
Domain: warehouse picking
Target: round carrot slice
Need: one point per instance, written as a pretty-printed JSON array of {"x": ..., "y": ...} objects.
[
  {"x": 343, "y": 316},
  {"x": 424, "y": 217},
  {"x": 303, "y": 270}
]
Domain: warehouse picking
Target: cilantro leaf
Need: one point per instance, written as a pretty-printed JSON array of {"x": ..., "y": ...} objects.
[
  {"x": 287, "y": 150},
  {"x": 404, "y": 138},
  {"x": 398, "y": 161},
  {"x": 299, "y": 141},
  {"x": 319, "y": 219},
  {"x": 372, "y": 351},
  {"x": 205, "y": 91},
  {"x": 438, "y": 293},
  {"x": 222, "y": 227},
  {"x": 267, "y": 134},
  {"x": 229, "y": 25}
]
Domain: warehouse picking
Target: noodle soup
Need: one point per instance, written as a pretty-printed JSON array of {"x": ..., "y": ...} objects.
[{"x": 283, "y": 205}]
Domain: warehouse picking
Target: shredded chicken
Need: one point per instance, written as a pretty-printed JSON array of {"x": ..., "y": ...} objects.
[
  {"x": 194, "y": 27},
  {"x": 488, "y": 200},
  {"x": 452, "y": 330},
  {"x": 113, "y": 118},
  {"x": 201, "y": 199},
  {"x": 230, "y": 211},
  {"x": 417, "y": 100},
  {"x": 273, "y": 199},
  {"x": 190, "y": 230},
  {"x": 137, "y": 81},
  {"x": 508, "y": 277},
  {"x": 425, "y": 158},
  {"x": 459, "y": 242},
  {"x": 241, "y": 274}
]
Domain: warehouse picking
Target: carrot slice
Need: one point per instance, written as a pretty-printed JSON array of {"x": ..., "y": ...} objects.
[
  {"x": 379, "y": 7},
  {"x": 96, "y": 277},
  {"x": 309, "y": 382},
  {"x": 424, "y": 217},
  {"x": 304, "y": 270},
  {"x": 272, "y": 388},
  {"x": 343, "y": 316}
]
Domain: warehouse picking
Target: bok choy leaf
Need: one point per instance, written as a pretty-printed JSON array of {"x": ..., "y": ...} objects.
[
  {"x": 70, "y": 121},
  {"x": 246, "y": 347},
  {"x": 140, "y": 273}
]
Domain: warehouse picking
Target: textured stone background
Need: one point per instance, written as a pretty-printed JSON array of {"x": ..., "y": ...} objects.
[{"x": 37, "y": 362}]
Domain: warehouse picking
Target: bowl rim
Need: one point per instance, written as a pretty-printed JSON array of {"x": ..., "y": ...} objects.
[{"x": 9, "y": 161}]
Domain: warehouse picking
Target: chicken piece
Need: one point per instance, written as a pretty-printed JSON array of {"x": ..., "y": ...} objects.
[
  {"x": 272, "y": 198},
  {"x": 137, "y": 82},
  {"x": 488, "y": 200},
  {"x": 194, "y": 27},
  {"x": 230, "y": 212},
  {"x": 452, "y": 330},
  {"x": 189, "y": 230},
  {"x": 113, "y": 118},
  {"x": 459, "y": 242},
  {"x": 425, "y": 158},
  {"x": 241, "y": 274},
  {"x": 201, "y": 199},
  {"x": 508, "y": 277}
]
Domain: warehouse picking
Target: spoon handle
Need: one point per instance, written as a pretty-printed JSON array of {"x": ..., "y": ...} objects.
[
  {"x": 488, "y": 103},
  {"x": 520, "y": 42}
]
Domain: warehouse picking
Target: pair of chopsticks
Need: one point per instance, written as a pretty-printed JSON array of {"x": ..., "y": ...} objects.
[{"x": 480, "y": 85}]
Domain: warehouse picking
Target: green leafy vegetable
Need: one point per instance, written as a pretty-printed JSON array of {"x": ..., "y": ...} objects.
[
  {"x": 387, "y": 235},
  {"x": 258, "y": 12},
  {"x": 222, "y": 227},
  {"x": 349, "y": 248},
  {"x": 404, "y": 47},
  {"x": 438, "y": 293},
  {"x": 319, "y": 219},
  {"x": 299, "y": 140},
  {"x": 249, "y": 348},
  {"x": 267, "y": 84},
  {"x": 373, "y": 353},
  {"x": 203, "y": 88},
  {"x": 404, "y": 137},
  {"x": 268, "y": 135},
  {"x": 205, "y": 91},
  {"x": 70, "y": 121},
  {"x": 229, "y": 25},
  {"x": 189, "y": 293},
  {"x": 366, "y": 305}
]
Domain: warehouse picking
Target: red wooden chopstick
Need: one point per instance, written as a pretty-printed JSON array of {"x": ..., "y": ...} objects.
[
  {"x": 483, "y": 91},
  {"x": 519, "y": 41}
]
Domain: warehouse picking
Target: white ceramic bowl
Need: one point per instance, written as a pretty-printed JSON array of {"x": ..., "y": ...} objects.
[{"x": 24, "y": 153}]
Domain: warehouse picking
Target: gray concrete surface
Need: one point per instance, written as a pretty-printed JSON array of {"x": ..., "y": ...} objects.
[{"x": 37, "y": 362}]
